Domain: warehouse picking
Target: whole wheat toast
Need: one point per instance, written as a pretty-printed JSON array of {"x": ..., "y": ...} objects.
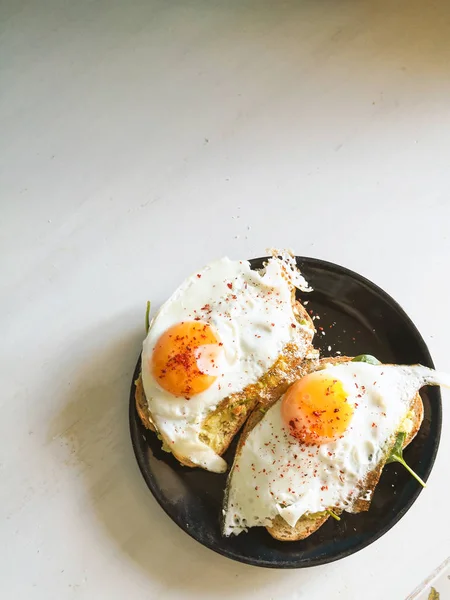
[
  {"x": 223, "y": 423},
  {"x": 308, "y": 524}
]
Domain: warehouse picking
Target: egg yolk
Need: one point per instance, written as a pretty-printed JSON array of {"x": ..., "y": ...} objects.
[
  {"x": 316, "y": 410},
  {"x": 177, "y": 355}
]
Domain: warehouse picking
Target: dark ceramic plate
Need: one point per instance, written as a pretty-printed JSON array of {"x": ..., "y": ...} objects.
[{"x": 357, "y": 318}]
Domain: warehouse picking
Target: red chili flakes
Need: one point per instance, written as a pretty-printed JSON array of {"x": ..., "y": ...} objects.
[
  {"x": 230, "y": 285},
  {"x": 374, "y": 424},
  {"x": 324, "y": 487},
  {"x": 273, "y": 324},
  {"x": 293, "y": 325},
  {"x": 183, "y": 359},
  {"x": 330, "y": 454},
  {"x": 198, "y": 275}
]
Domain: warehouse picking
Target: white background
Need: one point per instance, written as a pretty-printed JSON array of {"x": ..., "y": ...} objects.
[{"x": 140, "y": 140}]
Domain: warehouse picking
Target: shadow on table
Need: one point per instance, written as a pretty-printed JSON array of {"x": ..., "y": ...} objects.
[{"x": 94, "y": 425}]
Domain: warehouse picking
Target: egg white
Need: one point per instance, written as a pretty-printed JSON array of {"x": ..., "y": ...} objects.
[
  {"x": 252, "y": 314},
  {"x": 276, "y": 474}
]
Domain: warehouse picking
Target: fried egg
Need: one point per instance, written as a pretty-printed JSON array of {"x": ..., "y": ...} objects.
[
  {"x": 315, "y": 447},
  {"x": 219, "y": 332}
]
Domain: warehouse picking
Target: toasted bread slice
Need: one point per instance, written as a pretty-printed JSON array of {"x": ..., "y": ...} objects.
[
  {"x": 223, "y": 423},
  {"x": 310, "y": 523}
]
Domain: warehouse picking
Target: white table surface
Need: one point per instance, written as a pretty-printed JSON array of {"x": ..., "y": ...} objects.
[{"x": 140, "y": 140}]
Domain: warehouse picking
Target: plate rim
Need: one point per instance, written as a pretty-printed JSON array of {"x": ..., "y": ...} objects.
[{"x": 151, "y": 483}]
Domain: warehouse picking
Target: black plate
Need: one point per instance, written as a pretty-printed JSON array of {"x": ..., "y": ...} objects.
[{"x": 357, "y": 317}]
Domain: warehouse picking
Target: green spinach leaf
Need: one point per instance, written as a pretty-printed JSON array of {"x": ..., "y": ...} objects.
[
  {"x": 366, "y": 358},
  {"x": 147, "y": 317},
  {"x": 396, "y": 455}
]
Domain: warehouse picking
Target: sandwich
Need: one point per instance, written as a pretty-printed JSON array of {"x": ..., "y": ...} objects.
[
  {"x": 318, "y": 450},
  {"x": 228, "y": 339}
]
